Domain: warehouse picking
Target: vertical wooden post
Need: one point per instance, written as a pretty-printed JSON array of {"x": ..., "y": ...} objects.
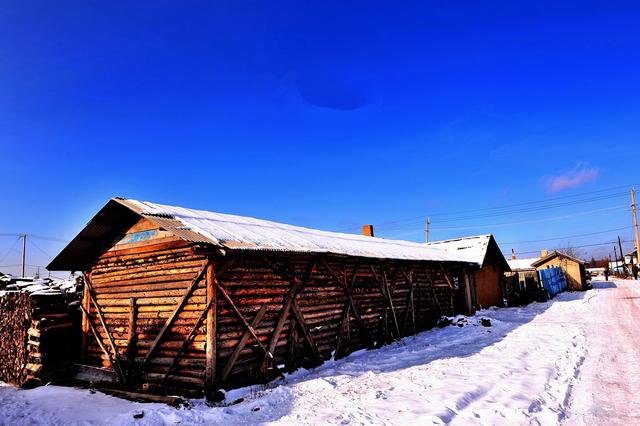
[
  {"x": 86, "y": 304},
  {"x": 131, "y": 335},
  {"x": 210, "y": 372}
]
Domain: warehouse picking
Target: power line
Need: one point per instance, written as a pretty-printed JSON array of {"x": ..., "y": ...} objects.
[
  {"x": 497, "y": 225},
  {"x": 581, "y": 246},
  {"x": 568, "y": 236},
  {"x": 39, "y": 237},
  {"x": 10, "y": 250},
  {"x": 408, "y": 221},
  {"x": 40, "y": 248}
]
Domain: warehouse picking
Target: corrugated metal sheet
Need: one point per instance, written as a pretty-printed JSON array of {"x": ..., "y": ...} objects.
[
  {"x": 553, "y": 281},
  {"x": 246, "y": 233},
  {"x": 473, "y": 249}
]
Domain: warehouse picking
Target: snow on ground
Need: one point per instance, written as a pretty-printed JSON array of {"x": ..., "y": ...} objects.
[{"x": 572, "y": 360}]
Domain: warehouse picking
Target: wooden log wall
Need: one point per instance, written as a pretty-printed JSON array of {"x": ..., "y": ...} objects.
[
  {"x": 345, "y": 304},
  {"x": 137, "y": 290},
  {"x": 271, "y": 312}
]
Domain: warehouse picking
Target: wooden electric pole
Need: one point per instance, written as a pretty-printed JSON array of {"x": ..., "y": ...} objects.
[
  {"x": 615, "y": 256},
  {"x": 427, "y": 230},
  {"x": 635, "y": 224},
  {"x": 24, "y": 253},
  {"x": 624, "y": 267}
]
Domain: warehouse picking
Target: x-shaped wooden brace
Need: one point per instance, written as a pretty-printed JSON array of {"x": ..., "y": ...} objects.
[
  {"x": 349, "y": 305},
  {"x": 384, "y": 289},
  {"x": 290, "y": 305},
  {"x": 410, "y": 302},
  {"x": 115, "y": 362}
]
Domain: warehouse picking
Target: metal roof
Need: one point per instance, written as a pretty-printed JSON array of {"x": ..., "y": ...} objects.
[{"x": 245, "y": 233}]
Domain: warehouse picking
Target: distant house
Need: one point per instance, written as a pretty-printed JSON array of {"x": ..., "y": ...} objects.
[
  {"x": 523, "y": 282},
  {"x": 485, "y": 253},
  {"x": 574, "y": 269}
]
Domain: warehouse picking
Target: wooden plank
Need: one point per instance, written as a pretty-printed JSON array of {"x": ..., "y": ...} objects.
[
  {"x": 210, "y": 369},
  {"x": 241, "y": 344},
  {"x": 174, "y": 315}
]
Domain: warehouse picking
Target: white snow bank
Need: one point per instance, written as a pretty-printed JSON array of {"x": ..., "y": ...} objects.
[{"x": 520, "y": 370}]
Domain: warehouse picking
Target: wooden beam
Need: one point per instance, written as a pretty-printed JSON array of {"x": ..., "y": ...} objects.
[
  {"x": 211, "y": 347},
  {"x": 131, "y": 331},
  {"x": 382, "y": 281},
  {"x": 307, "y": 333},
  {"x": 409, "y": 277},
  {"x": 296, "y": 287},
  {"x": 174, "y": 315},
  {"x": 93, "y": 330},
  {"x": 85, "y": 320},
  {"x": 241, "y": 344},
  {"x": 117, "y": 365},
  {"x": 247, "y": 326},
  {"x": 189, "y": 338},
  {"x": 433, "y": 291},
  {"x": 446, "y": 276},
  {"x": 347, "y": 291}
]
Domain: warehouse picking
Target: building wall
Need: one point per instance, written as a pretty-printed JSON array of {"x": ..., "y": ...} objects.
[
  {"x": 571, "y": 270},
  {"x": 155, "y": 269},
  {"x": 488, "y": 286}
]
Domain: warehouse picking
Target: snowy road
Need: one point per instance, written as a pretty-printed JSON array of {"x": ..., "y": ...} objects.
[{"x": 574, "y": 360}]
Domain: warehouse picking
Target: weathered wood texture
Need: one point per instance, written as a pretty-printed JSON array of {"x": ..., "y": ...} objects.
[
  {"x": 269, "y": 309},
  {"x": 155, "y": 276},
  {"x": 38, "y": 335}
]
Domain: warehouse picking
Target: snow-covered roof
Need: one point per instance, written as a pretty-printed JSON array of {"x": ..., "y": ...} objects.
[
  {"x": 516, "y": 264},
  {"x": 553, "y": 254},
  {"x": 246, "y": 233},
  {"x": 472, "y": 249}
]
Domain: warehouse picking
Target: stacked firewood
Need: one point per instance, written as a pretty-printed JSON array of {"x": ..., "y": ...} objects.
[{"x": 39, "y": 334}]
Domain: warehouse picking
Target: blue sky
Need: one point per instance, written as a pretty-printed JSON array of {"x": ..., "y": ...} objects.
[{"x": 329, "y": 116}]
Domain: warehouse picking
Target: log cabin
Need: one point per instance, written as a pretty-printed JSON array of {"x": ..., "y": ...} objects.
[
  {"x": 188, "y": 302},
  {"x": 483, "y": 251}
]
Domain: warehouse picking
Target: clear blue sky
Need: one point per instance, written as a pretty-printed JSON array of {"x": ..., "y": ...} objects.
[{"x": 328, "y": 117}]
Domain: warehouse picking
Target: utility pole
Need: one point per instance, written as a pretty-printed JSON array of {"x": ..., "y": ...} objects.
[
  {"x": 427, "y": 230},
  {"x": 24, "y": 253},
  {"x": 624, "y": 267},
  {"x": 615, "y": 255},
  {"x": 635, "y": 224}
]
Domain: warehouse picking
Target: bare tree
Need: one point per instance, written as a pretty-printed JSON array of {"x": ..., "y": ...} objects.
[{"x": 570, "y": 250}]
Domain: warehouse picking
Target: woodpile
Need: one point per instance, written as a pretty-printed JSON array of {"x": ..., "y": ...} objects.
[{"x": 39, "y": 336}]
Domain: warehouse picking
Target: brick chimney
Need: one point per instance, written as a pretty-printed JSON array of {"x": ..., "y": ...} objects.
[
  {"x": 513, "y": 254},
  {"x": 367, "y": 230},
  {"x": 544, "y": 253}
]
